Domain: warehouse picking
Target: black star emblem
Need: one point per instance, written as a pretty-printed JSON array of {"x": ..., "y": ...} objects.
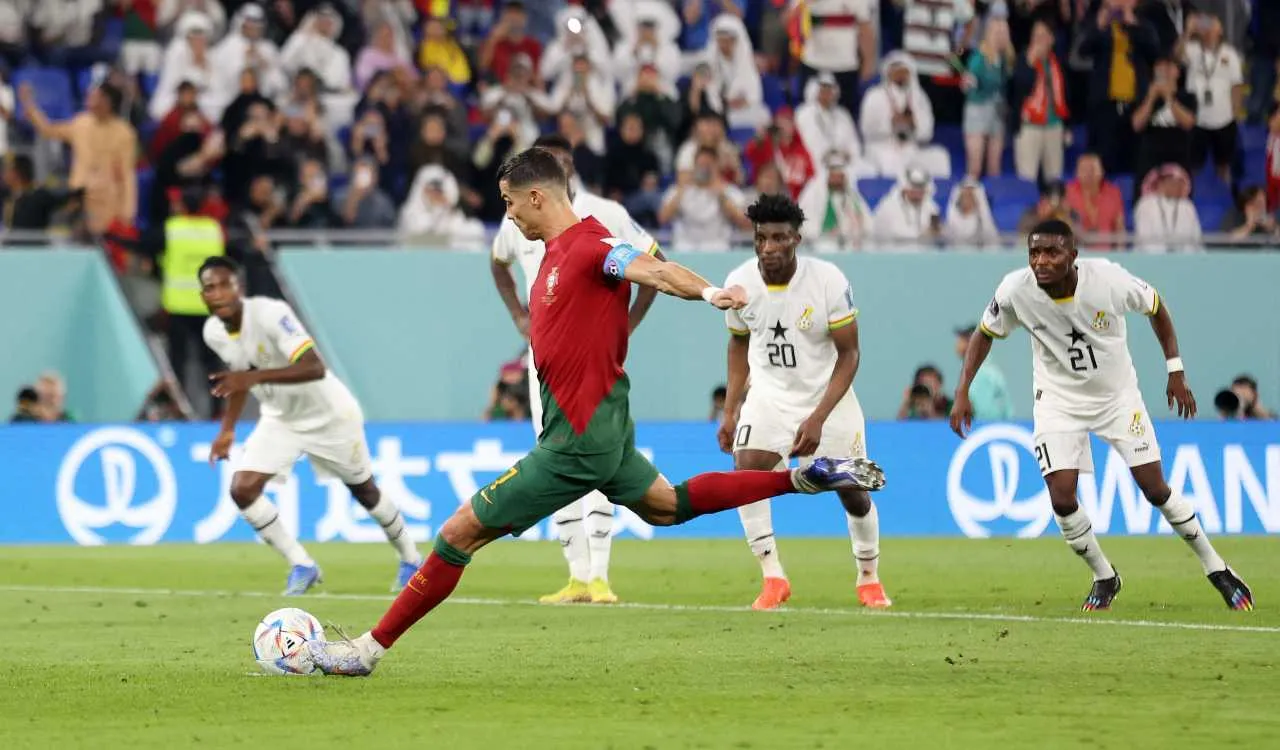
[
  {"x": 1076, "y": 337},
  {"x": 778, "y": 331}
]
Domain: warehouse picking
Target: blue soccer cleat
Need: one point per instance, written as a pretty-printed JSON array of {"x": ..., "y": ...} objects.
[
  {"x": 826, "y": 474},
  {"x": 403, "y": 574},
  {"x": 301, "y": 579}
]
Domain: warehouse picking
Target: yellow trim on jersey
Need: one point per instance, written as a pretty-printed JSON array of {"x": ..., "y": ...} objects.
[
  {"x": 302, "y": 349},
  {"x": 776, "y": 287},
  {"x": 739, "y": 331},
  {"x": 842, "y": 322},
  {"x": 1155, "y": 305},
  {"x": 1063, "y": 300},
  {"x": 988, "y": 331},
  {"x": 653, "y": 249},
  {"x": 233, "y": 336}
]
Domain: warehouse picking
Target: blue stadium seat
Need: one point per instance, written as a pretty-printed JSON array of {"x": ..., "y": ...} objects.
[
  {"x": 1211, "y": 214},
  {"x": 52, "y": 89},
  {"x": 147, "y": 82},
  {"x": 1125, "y": 183},
  {"x": 1253, "y": 138},
  {"x": 146, "y": 183},
  {"x": 1010, "y": 188},
  {"x": 874, "y": 189},
  {"x": 741, "y": 136},
  {"x": 775, "y": 94},
  {"x": 1007, "y": 215}
]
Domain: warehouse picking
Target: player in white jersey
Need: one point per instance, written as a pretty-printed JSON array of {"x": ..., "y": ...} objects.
[
  {"x": 305, "y": 410},
  {"x": 1085, "y": 383},
  {"x": 797, "y": 342},
  {"x": 585, "y": 527}
]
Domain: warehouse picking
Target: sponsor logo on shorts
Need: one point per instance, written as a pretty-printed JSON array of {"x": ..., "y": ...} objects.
[
  {"x": 1136, "y": 426},
  {"x": 859, "y": 446}
]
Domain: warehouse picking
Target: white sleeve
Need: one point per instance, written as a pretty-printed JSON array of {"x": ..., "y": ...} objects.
[
  {"x": 218, "y": 346},
  {"x": 624, "y": 227},
  {"x": 1130, "y": 293},
  {"x": 286, "y": 330},
  {"x": 999, "y": 319},
  {"x": 732, "y": 320},
  {"x": 841, "y": 308},
  {"x": 504, "y": 250}
]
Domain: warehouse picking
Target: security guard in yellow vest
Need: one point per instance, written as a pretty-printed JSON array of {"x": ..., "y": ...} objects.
[{"x": 189, "y": 238}]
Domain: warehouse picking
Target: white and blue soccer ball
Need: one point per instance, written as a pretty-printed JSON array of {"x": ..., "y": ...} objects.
[{"x": 279, "y": 641}]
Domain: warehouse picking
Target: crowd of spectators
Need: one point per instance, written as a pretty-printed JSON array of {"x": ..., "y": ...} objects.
[{"x": 394, "y": 115}]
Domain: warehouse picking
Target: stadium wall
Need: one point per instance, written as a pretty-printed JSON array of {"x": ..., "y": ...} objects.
[
  {"x": 63, "y": 311},
  {"x": 143, "y": 484},
  {"x": 419, "y": 335}
]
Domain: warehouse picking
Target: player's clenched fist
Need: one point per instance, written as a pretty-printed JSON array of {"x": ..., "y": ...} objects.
[{"x": 732, "y": 298}]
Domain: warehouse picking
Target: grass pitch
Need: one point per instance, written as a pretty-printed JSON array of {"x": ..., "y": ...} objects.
[{"x": 129, "y": 647}]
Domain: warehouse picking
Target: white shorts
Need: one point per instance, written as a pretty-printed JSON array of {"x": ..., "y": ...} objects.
[
  {"x": 766, "y": 426},
  {"x": 1062, "y": 438},
  {"x": 337, "y": 449}
]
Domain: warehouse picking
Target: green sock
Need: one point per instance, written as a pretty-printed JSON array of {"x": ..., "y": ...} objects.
[
  {"x": 684, "y": 508},
  {"x": 450, "y": 553}
]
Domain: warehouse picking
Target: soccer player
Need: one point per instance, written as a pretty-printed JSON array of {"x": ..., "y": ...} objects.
[
  {"x": 797, "y": 341},
  {"x": 585, "y": 526},
  {"x": 1085, "y": 383},
  {"x": 578, "y": 325},
  {"x": 305, "y": 410}
]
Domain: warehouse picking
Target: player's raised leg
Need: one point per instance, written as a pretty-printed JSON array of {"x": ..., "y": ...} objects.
[
  {"x": 1181, "y": 515},
  {"x": 598, "y": 524},
  {"x": 261, "y": 514}
]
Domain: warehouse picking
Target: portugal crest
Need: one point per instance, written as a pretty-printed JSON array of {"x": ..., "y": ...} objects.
[{"x": 553, "y": 278}]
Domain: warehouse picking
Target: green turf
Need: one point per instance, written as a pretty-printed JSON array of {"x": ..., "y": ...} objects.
[{"x": 146, "y": 668}]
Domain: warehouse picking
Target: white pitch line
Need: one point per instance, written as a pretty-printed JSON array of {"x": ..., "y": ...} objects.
[{"x": 790, "y": 611}]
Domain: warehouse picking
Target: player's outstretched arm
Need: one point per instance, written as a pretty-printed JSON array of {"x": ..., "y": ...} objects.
[
  {"x": 644, "y": 299},
  {"x": 1177, "y": 390},
  {"x": 671, "y": 278},
  {"x": 962, "y": 409}
]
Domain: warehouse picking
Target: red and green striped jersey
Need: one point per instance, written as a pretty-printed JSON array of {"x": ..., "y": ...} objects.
[{"x": 578, "y": 328}]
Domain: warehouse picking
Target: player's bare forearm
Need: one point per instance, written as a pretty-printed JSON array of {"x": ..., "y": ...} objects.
[
  {"x": 848, "y": 356},
  {"x": 739, "y": 371},
  {"x": 1162, "y": 324},
  {"x": 974, "y": 356},
  {"x": 234, "y": 408},
  {"x": 506, "y": 285},
  {"x": 644, "y": 299},
  {"x": 666, "y": 277},
  {"x": 309, "y": 367}
]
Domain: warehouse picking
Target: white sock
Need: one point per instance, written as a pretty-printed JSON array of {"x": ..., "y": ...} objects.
[
  {"x": 598, "y": 527},
  {"x": 1181, "y": 515},
  {"x": 265, "y": 519},
  {"x": 757, "y": 522},
  {"x": 865, "y": 534},
  {"x": 1078, "y": 531},
  {"x": 573, "y": 540},
  {"x": 392, "y": 522}
]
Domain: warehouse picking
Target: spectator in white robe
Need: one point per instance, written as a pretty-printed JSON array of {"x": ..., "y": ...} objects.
[
  {"x": 588, "y": 95},
  {"x": 908, "y": 216},
  {"x": 576, "y": 31},
  {"x": 169, "y": 12},
  {"x": 825, "y": 127},
  {"x": 970, "y": 222},
  {"x": 188, "y": 58},
  {"x": 430, "y": 215},
  {"x": 1165, "y": 219},
  {"x": 735, "y": 88},
  {"x": 648, "y": 46},
  {"x": 313, "y": 46},
  {"x": 246, "y": 46},
  {"x": 897, "y": 122},
  {"x": 836, "y": 216}
]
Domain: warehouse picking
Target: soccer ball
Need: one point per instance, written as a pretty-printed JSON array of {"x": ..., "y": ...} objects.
[{"x": 280, "y": 639}]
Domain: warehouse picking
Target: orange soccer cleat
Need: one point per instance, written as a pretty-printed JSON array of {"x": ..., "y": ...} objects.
[
  {"x": 872, "y": 595},
  {"x": 773, "y": 594}
]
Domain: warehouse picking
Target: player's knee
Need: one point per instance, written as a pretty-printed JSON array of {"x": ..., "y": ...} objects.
[
  {"x": 464, "y": 531},
  {"x": 366, "y": 493},
  {"x": 1062, "y": 493},
  {"x": 245, "y": 489},
  {"x": 856, "y": 502},
  {"x": 1156, "y": 491}
]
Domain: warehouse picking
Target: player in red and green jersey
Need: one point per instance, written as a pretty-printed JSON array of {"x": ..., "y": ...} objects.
[{"x": 578, "y": 311}]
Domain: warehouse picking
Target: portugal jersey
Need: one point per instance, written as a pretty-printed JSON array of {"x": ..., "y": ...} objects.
[
  {"x": 271, "y": 337},
  {"x": 510, "y": 246},
  {"x": 791, "y": 353},
  {"x": 578, "y": 327},
  {"x": 1081, "y": 351}
]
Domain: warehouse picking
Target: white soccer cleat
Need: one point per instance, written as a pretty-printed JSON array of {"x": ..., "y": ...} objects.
[
  {"x": 826, "y": 474},
  {"x": 347, "y": 658}
]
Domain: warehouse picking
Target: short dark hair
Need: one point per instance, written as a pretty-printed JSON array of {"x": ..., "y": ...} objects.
[
  {"x": 1227, "y": 401},
  {"x": 709, "y": 150},
  {"x": 1055, "y": 228},
  {"x": 720, "y": 391},
  {"x": 927, "y": 369},
  {"x": 22, "y": 164},
  {"x": 219, "y": 261},
  {"x": 921, "y": 391},
  {"x": 771, "y": 209},
  {"x": 1246, "y": 380},
  {"x": 27, "y": 394},
  {"x": 554, "y": 142},
  {"x": 113, "y": 94},
  {"x": 533, "y": 166}
]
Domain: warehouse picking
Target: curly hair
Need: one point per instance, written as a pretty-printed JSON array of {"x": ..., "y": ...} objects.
[{"x": 770, "y": 209}]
